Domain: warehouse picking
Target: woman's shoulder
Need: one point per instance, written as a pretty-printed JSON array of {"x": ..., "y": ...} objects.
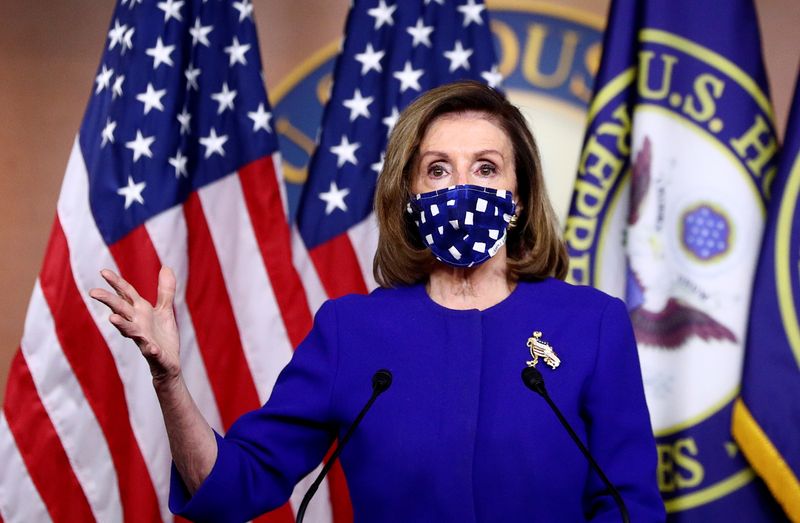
[
  {"x": 560, "y": 293},
  {"x": 377, "y": 300}
]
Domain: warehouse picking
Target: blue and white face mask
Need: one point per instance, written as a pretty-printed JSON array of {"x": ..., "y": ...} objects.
[{"x": 463, "y": 225}]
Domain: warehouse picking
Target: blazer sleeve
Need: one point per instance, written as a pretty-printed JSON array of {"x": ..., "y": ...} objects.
[
  {"x": 267, "y": 451},
  {"x": 618, "y": 426}
]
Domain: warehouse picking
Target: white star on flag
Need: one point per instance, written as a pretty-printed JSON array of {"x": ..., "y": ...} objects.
[
  {"x": 108, "y": 132},
  {"x": 132, "y": 192},
  {"x": 116, "y": 89},
  {"x": 160, "y": 53},
  {"x": 378, "y": 166},
  {"x": 200, "y": 33},
  {"x": 421, "y": 34},
  {"x": 409, "y": 77},
  {"x": 191, "y": 74},
  {"x": 103, "y": 79},
  {"x": 382, "y": 14},
  {"x": 370, "y": 60},
  {"x": 391, "y": 120},
  {"x": 261, "y": 118},
  {"x": 151, "y": 98},
  {"x": 493, "y": 77},
  {"x": 213, "y": 143},
  {"x": 334, "y": 198},
  {"x": 471, "y": 12},
  {"x": 127, "y": 40},
  {"x": 245, "y": 9},
  {"x": 458, "y": 56},
  {"x": 179, "y": 163},
  {"x": 171, "y": 9},
  {"x": 345, "y": 152},
  {"x": 236, "y": 52},
  {"x": 184, "y": 118},
  {"x": 116, "y": 35},
  {"x": 141, "y": 146},
  {"x": 224, "y": 98},
  {"x": 358, "y": 105}
]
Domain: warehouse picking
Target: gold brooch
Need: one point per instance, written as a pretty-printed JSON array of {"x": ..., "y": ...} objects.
[{"x": 541, "y": 349}]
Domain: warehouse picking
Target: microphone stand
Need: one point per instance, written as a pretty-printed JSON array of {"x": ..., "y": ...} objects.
[
  {"x": 533, "y": 380},
  {"x": 381, "y": 381}
]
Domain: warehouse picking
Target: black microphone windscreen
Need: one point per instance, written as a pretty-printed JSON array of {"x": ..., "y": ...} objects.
[
  {"x": 381, "y": 380},
  {"x": 533, "y": 380}
]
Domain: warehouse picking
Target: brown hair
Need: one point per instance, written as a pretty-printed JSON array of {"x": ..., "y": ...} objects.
[{"x": 535, "y": 247}]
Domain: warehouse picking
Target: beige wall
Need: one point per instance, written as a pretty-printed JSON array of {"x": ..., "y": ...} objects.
[{"x": 48, "y": 55}]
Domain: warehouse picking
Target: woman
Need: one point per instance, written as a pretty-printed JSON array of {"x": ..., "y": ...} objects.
[{"x": 469, "y": 262}]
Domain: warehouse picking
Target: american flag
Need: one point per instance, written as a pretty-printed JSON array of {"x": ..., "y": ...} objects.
[
  {"x": 393, "y": 51},
  {"x": 174, "y": 164}
]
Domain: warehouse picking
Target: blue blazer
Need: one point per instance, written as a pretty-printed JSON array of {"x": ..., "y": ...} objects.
[{"x": 457, "y": 437}]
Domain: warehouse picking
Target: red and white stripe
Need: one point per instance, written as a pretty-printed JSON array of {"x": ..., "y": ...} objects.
[
  {"x": 81, "y": 434},
  {"x": 74, "y": 421},
  {"x": 265, "y": 341},
  {"x": 342, "y": 265},
  {"x": 17, "y": 484},
  {"x": 364, "y": 239},
  {"x": 168, "y": 233}
]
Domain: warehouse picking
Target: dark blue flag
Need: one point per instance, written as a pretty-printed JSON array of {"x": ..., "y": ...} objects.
[
  {"x": 668, "y": 213},
  {"x": 767, "y": 416}
]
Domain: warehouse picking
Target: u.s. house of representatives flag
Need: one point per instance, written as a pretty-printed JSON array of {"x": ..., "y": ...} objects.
[
  {"x": 393, "y": 51},
  {"x": 767, "y": 416},
  {"x": 174, "y": 164},
  {"x": 667, "y": 213}
]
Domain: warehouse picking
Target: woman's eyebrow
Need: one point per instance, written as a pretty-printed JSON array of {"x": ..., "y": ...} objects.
[
  {"x": 438, "y": 154},
  {"x": 442, "y": 154},
  {"x": 484, "y": 152}
]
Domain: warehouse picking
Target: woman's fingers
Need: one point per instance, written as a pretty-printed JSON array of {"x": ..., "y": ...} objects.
[
  {"x": 116, "y": 303},
  {"x": 152, "y": 329},
  {"x": 166, "y": 288},
  {"x": 122, "y": 287},
  {"x": 125, "y": 327}
]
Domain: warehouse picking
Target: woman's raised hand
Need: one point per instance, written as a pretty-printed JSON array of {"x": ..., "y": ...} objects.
[
  {"x": 152, "y": 328},
  {"x": 191, "y": 440}
]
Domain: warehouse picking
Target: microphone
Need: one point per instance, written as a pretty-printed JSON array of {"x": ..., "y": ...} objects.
[
  {"x": 381, "y": 381},
  {"x": 533, "y": 380}
]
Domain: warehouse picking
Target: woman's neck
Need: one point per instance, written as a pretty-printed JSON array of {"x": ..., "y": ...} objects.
[{"x": 471, "y": 288}]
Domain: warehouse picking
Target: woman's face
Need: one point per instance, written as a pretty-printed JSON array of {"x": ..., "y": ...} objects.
[{"x": 464, "y": 148}]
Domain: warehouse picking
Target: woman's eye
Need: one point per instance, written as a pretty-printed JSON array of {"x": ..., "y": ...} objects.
[
  {"x": 487, "y": 169},
  {"x": 436, "y": 171}
]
